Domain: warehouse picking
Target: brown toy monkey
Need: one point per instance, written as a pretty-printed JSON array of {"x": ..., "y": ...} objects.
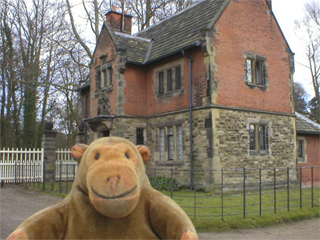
[{"x": 111, "y": 198}]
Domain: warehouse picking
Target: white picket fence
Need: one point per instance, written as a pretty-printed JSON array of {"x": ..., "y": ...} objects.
[{"x": 26, "y": 165}]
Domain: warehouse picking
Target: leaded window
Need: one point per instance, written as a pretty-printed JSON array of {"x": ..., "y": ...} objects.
[{"x": 258, "y": 138}]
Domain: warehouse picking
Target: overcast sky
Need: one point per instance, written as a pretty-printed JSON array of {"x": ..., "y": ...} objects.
[{"x": 286, "y": 12}]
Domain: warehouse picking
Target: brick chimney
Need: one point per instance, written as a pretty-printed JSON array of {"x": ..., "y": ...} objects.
[{"x": 120, "y": 22}]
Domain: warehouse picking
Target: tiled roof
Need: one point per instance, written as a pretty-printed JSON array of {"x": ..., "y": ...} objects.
[
  {"x": 305, "y": 125},
  {"x": 180, "y": 31},
  {"x": 183, "y": 29},
  {"x": 136, "y": 47}
]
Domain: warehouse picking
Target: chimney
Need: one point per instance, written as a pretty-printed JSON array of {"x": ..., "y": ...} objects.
[
  {"x": 120, "y": 22},
  {"x": 269, "y": 2}
]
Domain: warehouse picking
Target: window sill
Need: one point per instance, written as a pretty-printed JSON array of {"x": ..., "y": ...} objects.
[
  {"x": 170, "y": 163},
  {"x": 108, "y": 88},
  {"x": 171, "y": 93},
  {"x": 253, "y": 85},
  {"x": 302, "y": 160},
  {"x": 258, "y": 153}
]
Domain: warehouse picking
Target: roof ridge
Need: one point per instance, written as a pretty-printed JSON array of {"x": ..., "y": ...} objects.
[
  {"x": 308, "y": 120},
  {"x": 133, "y": 36},
  {"x": 168, "y": 18}
]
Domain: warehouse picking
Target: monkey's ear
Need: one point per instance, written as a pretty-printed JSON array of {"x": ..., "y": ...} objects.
[
  {"x": 77, "y": 151},
  {"x": 144, "y": 152}
]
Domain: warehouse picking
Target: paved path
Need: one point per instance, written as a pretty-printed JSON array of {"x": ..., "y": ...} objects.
[{"x": 17, "y": 204}]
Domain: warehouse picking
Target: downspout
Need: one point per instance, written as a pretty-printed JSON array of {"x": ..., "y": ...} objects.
[
  {"x": 190, "y": 117},
  {"x": 86, "y": 116}
]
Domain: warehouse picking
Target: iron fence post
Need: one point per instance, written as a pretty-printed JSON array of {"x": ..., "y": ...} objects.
[
  {"x": 260, "y": 192},
  {"x": 300, "y": 186},
  {"x": 288, "y": 189},
  {"x": 274, "y": 191},
  {"x": 244, "y": 193},
  {"x": 60, "y": 177},
  {"x": 312, "y": 189},
  {"x": 43, "y": 176},
  {"x": 222, "y": 200},
  {"x": 194, "y": 202},
  {"x": 67, "y": 176},
  {"x": 171, "y": 183}
]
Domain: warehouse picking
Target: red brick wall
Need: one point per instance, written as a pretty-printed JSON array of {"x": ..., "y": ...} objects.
[
  {"x": 177, "y": 101},
  {"x": 313, "y": 159},
  {"x": 135, "y": 90},
  {"x": 238, "y": 30},
  {"x": 105, "y": 46}
]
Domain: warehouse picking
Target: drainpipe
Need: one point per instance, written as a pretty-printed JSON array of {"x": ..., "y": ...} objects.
[
  {"x": 86, "y": 116},
  {"x": 190, "y": 117}
]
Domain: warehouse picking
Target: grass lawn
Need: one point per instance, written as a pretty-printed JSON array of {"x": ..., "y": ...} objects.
[{"x": 210, "y": 212}]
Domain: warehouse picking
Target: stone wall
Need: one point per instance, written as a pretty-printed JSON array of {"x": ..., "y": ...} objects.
[{"x": 221, "y": 141}]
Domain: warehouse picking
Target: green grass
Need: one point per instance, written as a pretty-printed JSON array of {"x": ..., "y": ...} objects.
[{"x": 206, "y": 209}]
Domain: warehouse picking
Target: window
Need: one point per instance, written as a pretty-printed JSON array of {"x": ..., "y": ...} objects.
[
  {"x": 104, "y": 75},
  {"x": 98, "y": 79},
  {"x": 162, "y": 147},
  {"x": 169, "y": 80},
  {"x": 110, "y": 73},
  {"x": 161, "y": 82},
  {"x": 301, "y": 150},
  {"x": 255, "y": 72},
  {"x": 178, "y": 77},
  {"x": 139, "y": 135},
  {"x": 171, "y": 143},
  {"x": 258, "y": 138}
]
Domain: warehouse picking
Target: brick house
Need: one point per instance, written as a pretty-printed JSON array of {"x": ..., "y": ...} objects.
[
  {"x": 308, "y": 147},
  {"x": 220, "y": 71}
]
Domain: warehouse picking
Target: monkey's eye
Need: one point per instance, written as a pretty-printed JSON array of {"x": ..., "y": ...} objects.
[
  {"x": 97, "y": 156},
  {"x": 127, "y": 155}
]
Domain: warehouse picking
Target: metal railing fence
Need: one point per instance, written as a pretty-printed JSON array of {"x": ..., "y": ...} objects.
[
  {"x": 218, "y": 193},
  {"x": 241, "y": 192}
]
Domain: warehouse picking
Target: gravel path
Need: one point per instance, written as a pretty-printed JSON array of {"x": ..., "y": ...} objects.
[{"x": 17, "y": 204}]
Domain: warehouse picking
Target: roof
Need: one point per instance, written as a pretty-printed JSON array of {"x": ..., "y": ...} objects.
[
  {"x": 136, "y": 47},
  {"x": 172, "y": 35},
  {"x": 306, "y": 126},
  {"x": 182, "y": 30}
]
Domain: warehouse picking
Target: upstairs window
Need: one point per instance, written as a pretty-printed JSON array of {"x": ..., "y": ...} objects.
[
  {"x": 161, "y": 82},
  {"x": 256, "y": 70},
  {"x": 169, "y": 80},
  {"x": 258, "y": 139},
  {"x": 178, "y": 77},
  {"x": 104, "y": 74}
]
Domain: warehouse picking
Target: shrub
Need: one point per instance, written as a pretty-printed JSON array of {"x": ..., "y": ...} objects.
[{"x": 162, "y": 183}]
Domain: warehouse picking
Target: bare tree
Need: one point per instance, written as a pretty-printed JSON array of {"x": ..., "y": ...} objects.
[
  {"x": 32, "y": 50},
  {"x": 309, "y": 29},
  {"x": 300, "y": 97}
]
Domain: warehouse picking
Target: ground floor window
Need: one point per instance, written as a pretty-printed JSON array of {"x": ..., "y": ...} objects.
[
  {"x": 139, "y": 136},
  {"x": 301, "y": 150},
  {"x": 258, "y": 138},
  {"x": 171, "y": 143}
]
